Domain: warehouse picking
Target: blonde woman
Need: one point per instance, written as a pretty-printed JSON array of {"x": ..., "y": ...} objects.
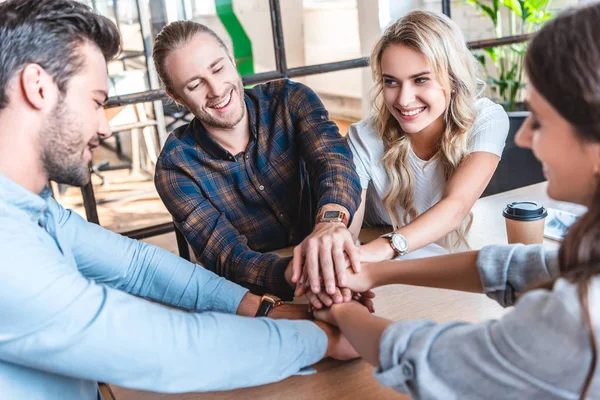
[
  {"x": 430, "y": 150},
  {"x": 546, "y": 346}
]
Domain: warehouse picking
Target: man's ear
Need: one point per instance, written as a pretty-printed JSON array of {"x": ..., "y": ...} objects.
[
  {"x": 39, "y": 89},
  {"x": 174, "y": 97}
]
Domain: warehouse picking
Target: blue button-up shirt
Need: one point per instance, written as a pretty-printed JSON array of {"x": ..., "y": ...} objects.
[{"x": 69, "y": 317}]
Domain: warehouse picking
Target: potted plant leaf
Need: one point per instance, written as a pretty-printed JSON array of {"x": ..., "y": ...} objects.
[{"x": 506, "y": 81}]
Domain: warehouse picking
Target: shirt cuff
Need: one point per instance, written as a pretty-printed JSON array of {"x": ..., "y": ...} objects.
[
  {"x": 279, "y": 287},
  {"x": 228, "y": 296},
  {"x": 312, "y": 339},
  {"x": 394, "y": 370},
  {"x": 507, "y": 270}
]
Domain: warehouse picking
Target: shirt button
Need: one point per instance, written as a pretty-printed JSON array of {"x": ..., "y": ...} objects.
[
  {"x": 280, "y": 215},
  {"x": 261, "y": 188},
  {"x": 407, "y": 370},
  {"x": 246, "y": 156}
]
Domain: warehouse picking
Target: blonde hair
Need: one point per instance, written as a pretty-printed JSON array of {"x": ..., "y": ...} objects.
[{"x": 440, "y": 40}]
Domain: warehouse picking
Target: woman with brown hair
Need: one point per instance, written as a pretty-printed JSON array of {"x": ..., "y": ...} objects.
[{"x": 546, "y": 347}]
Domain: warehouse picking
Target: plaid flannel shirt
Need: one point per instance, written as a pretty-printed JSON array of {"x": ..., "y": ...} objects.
[{"x": 232, "y": 208}]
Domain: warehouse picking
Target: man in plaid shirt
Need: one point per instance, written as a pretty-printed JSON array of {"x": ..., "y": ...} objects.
[{"x": 255, "y": 171}]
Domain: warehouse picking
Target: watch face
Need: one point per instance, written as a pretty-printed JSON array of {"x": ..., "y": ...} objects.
[
  {"x": 331, "y": 214},
  {"x": 399, "y": 242}
]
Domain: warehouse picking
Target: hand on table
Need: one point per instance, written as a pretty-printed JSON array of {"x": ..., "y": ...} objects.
[{"x": 323, "y": 255}]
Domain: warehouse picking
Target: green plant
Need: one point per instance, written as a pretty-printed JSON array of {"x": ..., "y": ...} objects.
[{"x": 524, "y": 16}]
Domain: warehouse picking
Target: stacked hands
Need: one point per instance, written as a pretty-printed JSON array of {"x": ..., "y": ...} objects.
[{"x": 326, "y": 267}]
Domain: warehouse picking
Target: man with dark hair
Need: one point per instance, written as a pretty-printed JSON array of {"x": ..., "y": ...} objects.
[
  {"x": 257, "y": 170},
  {"x": 68, "y": 314}
]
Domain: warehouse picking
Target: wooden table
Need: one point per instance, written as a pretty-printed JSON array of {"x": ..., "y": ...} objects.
[{"x": 354, "y": 379}]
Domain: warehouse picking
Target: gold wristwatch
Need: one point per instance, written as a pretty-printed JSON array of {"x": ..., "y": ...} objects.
[
  {"x": 333, "y": 216},
  {"x": 267, "y": 303}
]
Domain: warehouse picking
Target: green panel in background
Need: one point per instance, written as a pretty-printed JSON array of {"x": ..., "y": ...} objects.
[{"x": 242, "y": 47}]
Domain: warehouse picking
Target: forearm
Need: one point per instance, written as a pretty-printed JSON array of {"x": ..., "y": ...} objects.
[
  {"x": 249, "y": 305},
  {"x": 225, "y": 251},
  {"x": 435, "y": 223},
  {"x": 147, "y": 271},
  {"x": 454, "y": 271},
  {"x": 362, "y": 329}
]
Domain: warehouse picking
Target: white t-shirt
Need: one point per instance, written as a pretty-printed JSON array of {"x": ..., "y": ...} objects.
[{"x": 489, "y": 135}]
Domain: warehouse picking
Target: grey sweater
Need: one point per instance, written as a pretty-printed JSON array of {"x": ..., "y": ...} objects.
[{"x": 538, "y": 350}]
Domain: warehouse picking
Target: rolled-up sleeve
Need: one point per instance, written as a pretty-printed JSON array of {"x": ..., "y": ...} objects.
[
  {"x": 538, "y": 350},
  {"x": 508, "y": 270}
]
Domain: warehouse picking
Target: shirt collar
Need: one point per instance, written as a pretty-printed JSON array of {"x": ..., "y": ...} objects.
[
  {"x": 15, "y": 195},
  {"x": 213, "y": 148}
]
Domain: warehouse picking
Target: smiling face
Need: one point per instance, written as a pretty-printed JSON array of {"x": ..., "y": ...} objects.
[
  {"x": 570, "y": 165},
  {"x": 205, "y": 80},
  {"x": 410, "y": 91},
  {"x": 77, "y": 122}
]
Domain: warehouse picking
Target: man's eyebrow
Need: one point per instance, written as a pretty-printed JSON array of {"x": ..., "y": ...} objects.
[{"x": 218, "y": 60}]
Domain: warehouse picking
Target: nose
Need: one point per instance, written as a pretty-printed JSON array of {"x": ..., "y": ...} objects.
[
  {"x": 104, "y": 129},
  {"x": 524, "y": 136},
  {"x": 406, "y": 95},
  {"x": 213, "y": 86}
]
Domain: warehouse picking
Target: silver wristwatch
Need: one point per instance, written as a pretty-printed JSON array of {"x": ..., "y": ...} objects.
[{"x": 398, "y": 243}]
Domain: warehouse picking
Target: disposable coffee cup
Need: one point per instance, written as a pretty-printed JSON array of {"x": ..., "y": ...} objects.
[{"x": 525, "y": 222}]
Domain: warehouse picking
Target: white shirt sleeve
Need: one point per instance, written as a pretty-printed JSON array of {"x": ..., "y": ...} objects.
[
  {"x": 362, "y": 140},
  {"x": 490, "y": 129}
]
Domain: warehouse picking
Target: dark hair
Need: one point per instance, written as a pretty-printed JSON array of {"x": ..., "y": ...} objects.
[
  {"x": 563, "y": 64},
  {"x": 170, "y": 38},
  {"x": 48, "y": 33}
]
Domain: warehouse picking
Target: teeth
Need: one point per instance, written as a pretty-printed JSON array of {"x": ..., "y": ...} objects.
[
  {"x": 412, "y": 112},
  {"x": 224, "y": 102}
]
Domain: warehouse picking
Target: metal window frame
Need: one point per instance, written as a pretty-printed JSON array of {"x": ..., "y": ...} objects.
[{"x": 281, "y": 71}]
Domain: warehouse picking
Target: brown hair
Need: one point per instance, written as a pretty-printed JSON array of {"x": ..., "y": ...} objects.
[
  {"x": 563, "y": 64},
  {"x": 440, "y": 40},
  {"x": 173, "y": 36},
  {"x": 49, "y": 33}
]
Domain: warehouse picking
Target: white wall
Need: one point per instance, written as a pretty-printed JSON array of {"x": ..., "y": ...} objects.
[{"x": 331, "y": 34}]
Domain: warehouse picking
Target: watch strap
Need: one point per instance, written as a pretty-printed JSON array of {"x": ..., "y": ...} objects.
[{"x": 267, "y": 303}]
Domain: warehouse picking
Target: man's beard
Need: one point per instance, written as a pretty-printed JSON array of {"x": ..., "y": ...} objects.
[
  {"x": 62, "y": 148},
  {"x": 209, "y": 120}
]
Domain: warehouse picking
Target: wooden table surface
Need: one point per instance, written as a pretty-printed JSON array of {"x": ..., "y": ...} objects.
[{"x": 354, "y": 379}]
